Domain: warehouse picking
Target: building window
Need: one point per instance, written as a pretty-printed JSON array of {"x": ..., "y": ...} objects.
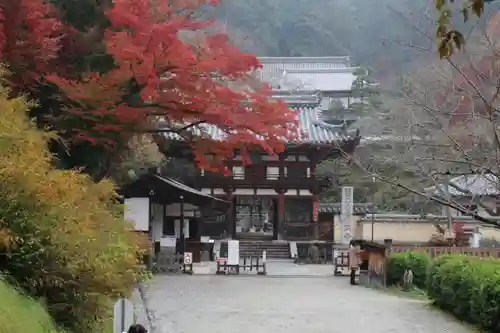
[
  {"x": 168, "y": 226},
  {"x": 238, "y": 172},
  {"x": 272, "y": 173}
]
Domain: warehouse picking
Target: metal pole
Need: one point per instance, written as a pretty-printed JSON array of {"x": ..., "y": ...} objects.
[
  {"x": 151, "y": 231},
  {"x": 122, "y": 323},
  {"x": 183, "y": 238}
]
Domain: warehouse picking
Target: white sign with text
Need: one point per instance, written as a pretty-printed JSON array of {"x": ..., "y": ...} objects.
[{"x": 346, "y": 212}]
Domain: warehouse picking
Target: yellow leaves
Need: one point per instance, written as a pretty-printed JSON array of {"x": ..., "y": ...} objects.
[
  {"x": 6, "y": 240},
  {"x": 66, "y": 228}
]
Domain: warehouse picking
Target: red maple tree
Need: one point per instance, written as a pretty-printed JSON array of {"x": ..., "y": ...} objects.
[
  {"x": 30, "y": 35},
  {"x": 159, "y": 81},
  {"x": 162, "y": 83}
]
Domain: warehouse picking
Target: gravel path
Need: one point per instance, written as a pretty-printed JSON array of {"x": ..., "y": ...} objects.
[{"x": 314, "y": 304}]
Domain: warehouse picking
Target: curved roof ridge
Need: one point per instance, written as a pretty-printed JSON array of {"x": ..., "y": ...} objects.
[
  {"x": 308, "y": 59},
  {"x": 326, "y": 70}
]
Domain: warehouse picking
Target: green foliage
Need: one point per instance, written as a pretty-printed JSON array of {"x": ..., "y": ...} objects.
[
  {"x": 366, "y": 90},
  {"x": 418, "y": 262},
  {"x": 19, "y": 313},
  {"x": 468, "y": 287},
  {"x": 62, "y": 236},
  {"x": 366, "y": 189}
]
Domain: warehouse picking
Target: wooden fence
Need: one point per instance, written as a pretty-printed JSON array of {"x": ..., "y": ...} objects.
[{"x": 438, "y": 250}]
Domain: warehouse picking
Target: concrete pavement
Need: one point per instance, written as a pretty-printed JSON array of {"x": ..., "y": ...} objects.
[
  {"x": 274, "y": 268},
  {"x": 286, "y": 301}
]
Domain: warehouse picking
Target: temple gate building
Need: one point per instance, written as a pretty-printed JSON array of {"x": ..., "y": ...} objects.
[{"x": 277, "y": 197}]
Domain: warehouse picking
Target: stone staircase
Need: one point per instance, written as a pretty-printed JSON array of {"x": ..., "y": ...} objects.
[{"x": 274, "y": 250}]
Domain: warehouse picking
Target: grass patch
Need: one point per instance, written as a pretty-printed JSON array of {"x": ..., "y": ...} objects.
[
  {"x": 414, "y": 293},
  {"x": 20, "y": 313}
]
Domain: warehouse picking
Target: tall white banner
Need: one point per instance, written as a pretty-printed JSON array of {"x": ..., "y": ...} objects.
[{"x": 346, "y": 212}]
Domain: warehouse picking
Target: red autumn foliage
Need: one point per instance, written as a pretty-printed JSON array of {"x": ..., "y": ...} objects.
[
  {"x": 30, "y": 34},
  {"x": 158, "y": 78},
  {"x": 178, "y": 83}
]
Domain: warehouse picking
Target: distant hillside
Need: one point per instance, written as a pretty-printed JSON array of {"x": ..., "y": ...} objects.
[{"x": 388, "y": 35}]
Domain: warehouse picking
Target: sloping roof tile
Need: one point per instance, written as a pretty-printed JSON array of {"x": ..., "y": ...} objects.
[
  {"x": 307, "y": 73},
  {"x": 312, "y": 129},
  {"x": 312, "y": 75},
  {"x": 335, "y": 208}
]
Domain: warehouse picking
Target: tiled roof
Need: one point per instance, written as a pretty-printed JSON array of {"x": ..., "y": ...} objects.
[
  {"x": 307, "y": 62},
  {"x": 302, "y": 81},
  {"x": 299, "y": 99},
  {"x": 476, "y": 185},
  {"x": 307, "y": 73},
  {"x": 358, "y": 208},
  {"x": 312, "y": 129}
]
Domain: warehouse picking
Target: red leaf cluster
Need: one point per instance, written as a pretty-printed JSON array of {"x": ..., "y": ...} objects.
[
  {"x": 30, "y": 35},
  {"x": 158, "y": 76}
]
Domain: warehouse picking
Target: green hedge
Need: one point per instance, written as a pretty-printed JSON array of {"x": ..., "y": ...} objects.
[
  {"x": 468, "y": 287},
  {"x": 418, "y": 262}
]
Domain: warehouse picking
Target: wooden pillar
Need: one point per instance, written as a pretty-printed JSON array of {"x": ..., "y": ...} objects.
[
  {"x": 281, "y": 214},
  {"x": 230, "y": 216},
  {"x": 281, "y": 198},
  {"x": 315, "y": 216},
  {"x": 252, "y": 208},
  {"x": 333, "y": 228},
  {"x": 314, "y": 182},
  {"x": 201, "y": 224},
  {"x": 315, "y": 197}
]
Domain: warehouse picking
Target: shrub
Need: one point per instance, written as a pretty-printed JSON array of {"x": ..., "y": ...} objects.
[
  {"x": 418, "y": 262},
  {"x": 62, "y": 236},
  {"x": 468, "y": 287}
]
